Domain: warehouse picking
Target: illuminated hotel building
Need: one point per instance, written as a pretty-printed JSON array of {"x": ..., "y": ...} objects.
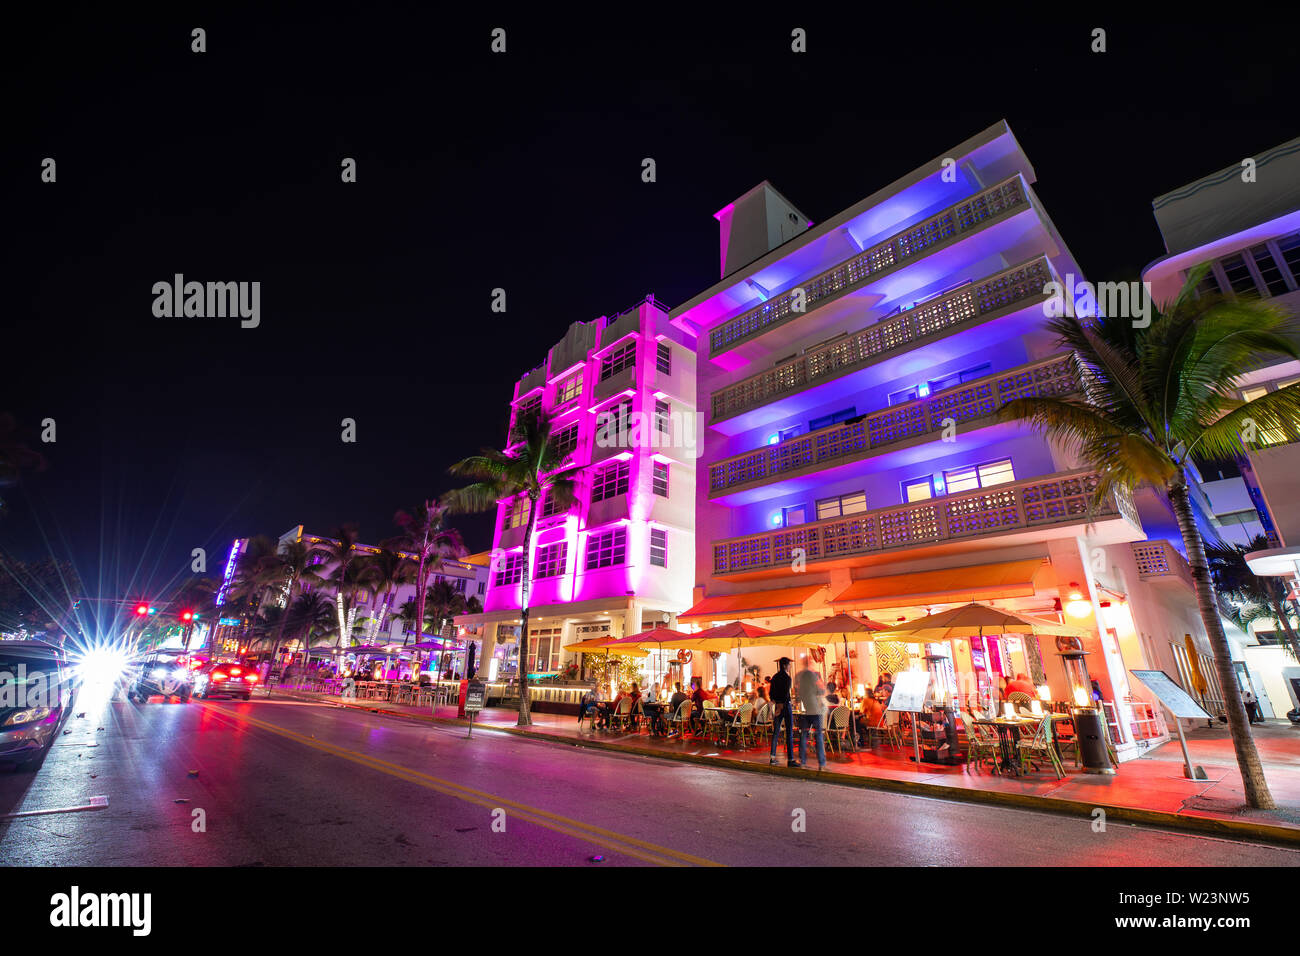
[
  {"x": 1246, "y": 225},
  {"x": 621, "y": 395},
  {"x": 849, "y": 373}
]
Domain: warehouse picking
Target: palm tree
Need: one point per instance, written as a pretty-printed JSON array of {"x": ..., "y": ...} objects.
[
  {"x": 341, "y": 554},
  {"x": 1258, "y": 597},
  {"x": 444, "y": 602},
  {"x": 385, "y": 572},
  {"x": 309, "y": 618},
  {"x": 531, "y": 468},
  {"x": 1158, "y": 398},
  {"x": 426, "y": 535},
  {"x": 286, "y": 570}
]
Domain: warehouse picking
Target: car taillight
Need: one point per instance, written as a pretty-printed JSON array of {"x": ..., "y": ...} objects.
[
  {"x": 234, "y": 670},
  {"x": 252, "y": 677},
  {"x": 217, "y": 675}
]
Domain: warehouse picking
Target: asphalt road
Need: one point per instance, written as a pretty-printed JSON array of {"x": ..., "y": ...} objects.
[{"x": 291, "y": 783}]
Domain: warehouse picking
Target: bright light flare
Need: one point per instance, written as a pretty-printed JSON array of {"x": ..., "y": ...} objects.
[{"x": 105, "y": 664}]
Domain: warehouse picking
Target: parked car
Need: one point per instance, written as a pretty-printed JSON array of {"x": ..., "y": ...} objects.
[
  {"x": 233, "y": 680},
  {"x": 163, "y": 672},
  {"x": 36, "y": 696}
]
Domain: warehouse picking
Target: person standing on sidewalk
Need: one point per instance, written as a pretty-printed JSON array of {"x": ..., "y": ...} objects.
[
  {"x": 782, "y": 711},
  {"x": 812, "y": 694}
]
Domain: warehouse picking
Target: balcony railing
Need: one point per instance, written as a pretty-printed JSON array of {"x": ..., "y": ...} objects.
[
  {"x": 828, "y": 446},
  {"x": 909, "y": 244},
  {"x": 1065, "y": 498},
  {"x": 1160, "y": 561},
  {"x": 1009, "y": 288}
]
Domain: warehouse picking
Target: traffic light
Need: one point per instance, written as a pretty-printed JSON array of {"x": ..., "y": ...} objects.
[
  {"x": 187, "y": 616},
  {"x": 141, "y": 610}
]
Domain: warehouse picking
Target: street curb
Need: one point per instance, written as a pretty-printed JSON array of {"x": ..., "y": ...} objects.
[{"x": 1206, "y": 826}]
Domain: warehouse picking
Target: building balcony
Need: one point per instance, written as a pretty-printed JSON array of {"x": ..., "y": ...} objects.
[
  {"x": 916, "y": 241},
  {"x": 1022, "y": 508},
  {"x": 854, "y": 440},
  {"x": 1159, "y": 563},
  {"x": 1002, "y": 293}
]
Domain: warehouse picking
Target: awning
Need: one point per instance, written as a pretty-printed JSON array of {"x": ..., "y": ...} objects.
[
  {"x": 980, "y": 582},
  {"x": 732, "y": 607}
]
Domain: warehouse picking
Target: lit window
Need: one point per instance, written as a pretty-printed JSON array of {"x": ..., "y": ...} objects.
[
  {"x": 664, "y": 359},
  {"x": 978, "y": 476},
  {"x": 511, "y": 570},
  {"x": 918, "y": 490},
  {"x": 659, "y": 547},
  {"x": 610, "y": 481},
  {"x": 663, "y": 412},
  {"x": 1250, "y": 394},
  {"x": 606, "y": 549},
  {"x": 569, "y": 389},
  {"x": 551, "y": 560},
  {"x": 623, "y": 357},
  {"x": 516, "y": 513},
  {"x": 849, "y": 504},
  {"x": 996, "y": 473},
  {"x": 659, "y": 479},
  {"x": 792, "y": 516}
]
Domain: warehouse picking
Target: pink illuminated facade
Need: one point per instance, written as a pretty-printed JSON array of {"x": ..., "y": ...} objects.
[{"x": 621, "y": 393}]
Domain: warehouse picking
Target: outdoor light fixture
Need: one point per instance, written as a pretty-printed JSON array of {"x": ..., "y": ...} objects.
[
  {"x": 1078, "y": 606},
  {"x": 922, "y": 390},
  {"x": 773, "y": 439},
  {"x": 776, "y": 520}
]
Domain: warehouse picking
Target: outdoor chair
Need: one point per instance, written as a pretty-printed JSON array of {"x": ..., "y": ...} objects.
[
  {"x": 1020, "y": 701},
  {"x": 982, "y": 745},
  {"x": 837, "y": 728},
  {"x": 762, "y": 721},
  {"x": 885, "y": 730},
  {"x": 740, "y": 726},
  {"x": 1068, "y": 742},
  {"x": 1036, "y": 747},
  {"x": 621, "y": 718},
  {"x": 682, "y": 719},
  {"x": 714, "y": 729}
]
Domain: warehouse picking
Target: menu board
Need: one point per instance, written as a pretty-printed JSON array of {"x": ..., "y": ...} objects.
[
  {"x": 910, "y": 691},
  {"x": 475, "y": 695},
  {"x": 1171, "y": 695}
]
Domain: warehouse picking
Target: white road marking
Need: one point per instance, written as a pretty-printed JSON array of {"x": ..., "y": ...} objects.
[{"x": 96, "y": 803}]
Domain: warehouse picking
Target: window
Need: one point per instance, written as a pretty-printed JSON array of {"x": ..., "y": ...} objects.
[
  {"x": 918, "y": 490},
  {"x": 1289, "y": 247},
  {"x": 1238, "y": 274},
  {"x": 544, "y": 650},
  {"x": 621, "y": 358},
  {"x": 549, "y": 508},
  {"x": 566, "y": 440},
  {"x": 659, "y": 479},
  {"x": 903, "y": 395},
  {"x": 1268, "y": 270},
  {"x": 659, "y": 547},
  {"x": 551, "y": 560},
  {"x": 606, "y": 549},
  {"x": 511, "y": 569},
  {"x": 610, "y": 481},
  {"x": 978, "y": 476},
  {"x": 793, "y": 515},
  {"x": 850, "y": 504},
  {"x": 1250, "y": 394},
  {"x": 832, "y": 419},
  {"x": 664, "y": 359},
  {"x": 460, "y": 585},
  {"x": 516, "y": 513},
  {"x": 1209, "y": 285},
  {"x": 569, "y": 389},
  {"x": 482, "y": 587},
  {"x": 663, "y": 411},
  {"x": 529, "y": 406},
  {"x": 611, "y": 425}
]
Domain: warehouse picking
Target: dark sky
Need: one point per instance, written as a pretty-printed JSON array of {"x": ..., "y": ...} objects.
[{"x": 477, "y": 171}]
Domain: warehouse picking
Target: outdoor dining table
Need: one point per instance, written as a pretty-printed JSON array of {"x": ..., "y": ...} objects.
[{"x": 1008, "y": 731}]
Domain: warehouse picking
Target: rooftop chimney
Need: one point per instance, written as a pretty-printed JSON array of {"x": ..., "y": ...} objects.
[{"x": 754, "y": 225}]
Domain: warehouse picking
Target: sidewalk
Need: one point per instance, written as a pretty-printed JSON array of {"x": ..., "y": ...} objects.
[{"x": 1150, "y": 790}]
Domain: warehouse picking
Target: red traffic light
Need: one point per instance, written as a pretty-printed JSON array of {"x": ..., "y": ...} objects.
[
  {"x": 142, "y": 609},
  {"x": 187, "y": 616}
]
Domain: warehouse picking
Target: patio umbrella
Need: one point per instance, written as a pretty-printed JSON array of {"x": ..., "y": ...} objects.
[
  {"x": 600, "y": 645},
  {"x": 976, "y": 620},
  {"x": 728, "y": 636},
  {"x": 827, "y": 631},
  {"x": 658, "y": 636}
]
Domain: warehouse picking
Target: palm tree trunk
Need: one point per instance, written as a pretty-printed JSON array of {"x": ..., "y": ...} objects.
[
  {"x": 1252, "y": 771},
  {"x": 279, "y": 631},
  {"x": 525, "y": 718},
  {"x": 421, "y": 592}
]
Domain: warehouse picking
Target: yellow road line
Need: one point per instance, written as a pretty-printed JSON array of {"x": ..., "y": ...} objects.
[{"x": 631, "y": 846}]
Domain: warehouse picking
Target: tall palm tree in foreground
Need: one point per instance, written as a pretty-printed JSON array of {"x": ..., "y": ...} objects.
[
  {"x": 1156, "y": 400},
  {"x": 426, "y": 535},
  {"x": 1261, "y": 597},
  {"x": 341, "y": 554},
  {"x": 530, "y": 466},
  {"x": 385, "y": 572},
  {"x": 286, "y": 571}
]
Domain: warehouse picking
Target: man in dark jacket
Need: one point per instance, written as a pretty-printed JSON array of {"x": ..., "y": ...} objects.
[{"x": 781, "y": 711}]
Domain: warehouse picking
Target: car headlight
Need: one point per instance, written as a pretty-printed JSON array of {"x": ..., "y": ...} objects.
[
  {"x": 160, "y": 672},
  {"x": 180, "y": 673},
  {"x": 29, "y": 716}
]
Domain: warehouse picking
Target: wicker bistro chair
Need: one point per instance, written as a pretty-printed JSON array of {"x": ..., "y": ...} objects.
[
  {"x": 714, "y": 728},
  {"x": 621, "y": 718},
  {"x": 1036, "y": 747},
  {"x": 1019, "y": 700},
  {"x": 885, "y": 730},
  {"x": 837, "y": 727},
  {"x": 762, "y": 721},
  {"x": 682, "y": 719},
  {"x": 982, "y": 745},
  {"x": 741, "y": 726}
]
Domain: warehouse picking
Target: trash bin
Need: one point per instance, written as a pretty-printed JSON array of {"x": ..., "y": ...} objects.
[{"x": 1094, "y": 753}]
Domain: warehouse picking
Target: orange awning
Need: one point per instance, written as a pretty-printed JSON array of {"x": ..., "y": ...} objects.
[
  {"x": 733, "y": 607},
  {"x": 981, "y": 582}
]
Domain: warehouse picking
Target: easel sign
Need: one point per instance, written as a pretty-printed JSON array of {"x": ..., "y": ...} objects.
[
  {"x": 911, "y": 690},
  {"x": 1181, "y": 705}
]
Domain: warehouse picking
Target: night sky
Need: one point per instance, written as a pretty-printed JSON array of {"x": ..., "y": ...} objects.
[{"x": 477, "y": 171}]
